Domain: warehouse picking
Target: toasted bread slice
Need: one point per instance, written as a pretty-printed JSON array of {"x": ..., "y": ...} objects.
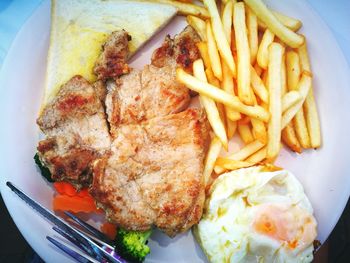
[{"x": 79, "y": 28}]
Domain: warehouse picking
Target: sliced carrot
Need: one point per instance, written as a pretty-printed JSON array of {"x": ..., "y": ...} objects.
[
  {"x": 84, "y": 193},
  {"x": 69, "y": 199},
  {"x": 75, "y": 204},
  {"x": 109, "y": 230},
  {"x": 65, "y": 188}
]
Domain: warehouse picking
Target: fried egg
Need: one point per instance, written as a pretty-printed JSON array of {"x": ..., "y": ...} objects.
[{"x": 257, "y": 214}]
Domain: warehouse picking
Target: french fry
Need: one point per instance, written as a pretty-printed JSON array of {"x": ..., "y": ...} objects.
[
  {"x": 242, "y": 154},
  {"x": 258, "y": 86},
  {"x": 209, "y": 105},
  {"x": 282, "y": 32},
  {"x": 231, "y": 127},
  {"x": 219, "y": 34},
  {"x": 245, "y": 133},
  {"x": 232, "y": 164},
  {"x": 259, "y": 130},
  {"x": 244, "y": 120},
  {"x": 293, "y": 76},
  {"x": 290, "y": 99},
  {"x": 290, "y": 139},
  {"x": 198, "y": 25},
  {"x": 211, "y": 78},
  {"x": 221, "y": 109},
  {"x": 213, "y": 53},
  {"x": 243, "y": 54},
  {"x": 227, "y": 20},
  {"x": 252, "y": 26},
  {"x": 261, "y": 25},
  {"x": 263, "y": 50},
  {"x": 312, "y": 120},
  {"x": 258, "y": 69},
  {"x": 288, "y": 133},
  {"x": 219, "y": 169},
  {"x": 304, "y": 58},
  {"x": 221, "y": 96},
  {"x": 233, "y": 47},
  {"x": 310, "y": 109},
  {"x": 227, "y": 85},
  {"x": 293, "y": 70},
  {"x": 284, "y": 75},
  {"x": 258, "y": 156},
  {"x": 183, "y": 8},
  {"x": 212, "y": 155},
  {"x": 246, "y": 151},
  {"x": 203, "y": 50},
  {"x": 304, "y": 86},
  {"x": 290, "y": 22},
  {"x": 275, "y": 106},
  {"x": 301, "y": 129},
  {"x": 265, "y": 77},
  {"x": 226, "y": 1}
]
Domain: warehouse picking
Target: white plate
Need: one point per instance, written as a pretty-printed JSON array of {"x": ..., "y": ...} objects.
[{"x": 324, "y": 173}]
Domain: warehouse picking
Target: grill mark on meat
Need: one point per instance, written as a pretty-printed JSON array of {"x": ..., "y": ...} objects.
[
  {"x": 112, "y": 61},
  {"x": 180, "y": 51},
  {"x": 161, "y": 54},
  {"x": 46, "y": 145},
  {"x": 73, "y": 102},
  {"x": 187, "y": 53}
]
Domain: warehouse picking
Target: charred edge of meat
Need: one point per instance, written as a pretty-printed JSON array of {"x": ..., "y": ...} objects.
[
  {"x": 112, "y": 61},
  {"x": 186, "y": 49},
  {"x": 182, "y": 49},
  {"x": 72, "y": 164},
  {"x": 161, "y": 55}
]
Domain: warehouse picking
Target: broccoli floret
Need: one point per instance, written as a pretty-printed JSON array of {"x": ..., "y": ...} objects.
[
  {"x": 45, "y": 172},
  {"x": 132, "y": 245}
]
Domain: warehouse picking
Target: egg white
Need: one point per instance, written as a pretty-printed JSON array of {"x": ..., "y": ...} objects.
[{"x": 226, "y": 232}]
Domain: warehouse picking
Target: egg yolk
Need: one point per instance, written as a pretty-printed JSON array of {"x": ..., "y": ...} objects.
[{"x": 290, "y": 225}]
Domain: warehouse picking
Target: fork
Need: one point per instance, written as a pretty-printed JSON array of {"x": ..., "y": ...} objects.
[{"x": 95, "y": 245}]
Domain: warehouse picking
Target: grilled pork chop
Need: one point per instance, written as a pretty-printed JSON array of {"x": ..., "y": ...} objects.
[
  {"x": 151, "y": 92},
  {"x": 77, "y": 132},
  {"x": 153, "y": 175}
]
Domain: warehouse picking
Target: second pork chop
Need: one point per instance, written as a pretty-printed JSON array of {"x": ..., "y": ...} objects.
[{"x": 152, "y": 92}]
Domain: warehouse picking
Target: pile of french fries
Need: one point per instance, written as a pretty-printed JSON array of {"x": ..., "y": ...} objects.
[{"x": 254, "y": 78}]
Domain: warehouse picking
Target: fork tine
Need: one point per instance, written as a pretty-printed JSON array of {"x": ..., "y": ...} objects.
[
  {"x": 78, "y": 257},
  {"x": 70, "y": 238},
  {"x": 90, "y": 229},
  {"x": 91, "y": 247}
]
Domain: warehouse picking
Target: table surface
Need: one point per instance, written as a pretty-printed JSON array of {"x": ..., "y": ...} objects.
[{"x": 13, "y": 13}]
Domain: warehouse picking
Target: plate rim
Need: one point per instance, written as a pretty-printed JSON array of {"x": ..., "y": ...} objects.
[{"x": 41, "y": 5}]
